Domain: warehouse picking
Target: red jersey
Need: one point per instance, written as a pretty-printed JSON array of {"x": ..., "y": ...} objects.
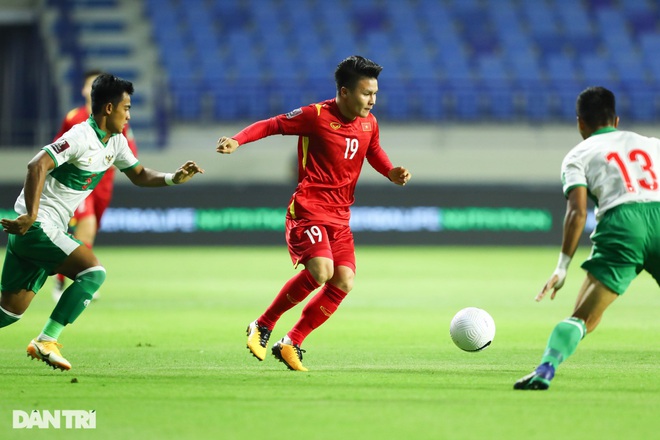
[
  {"x": 331, "y": 152},
  {"x": 79, "y": 115}
]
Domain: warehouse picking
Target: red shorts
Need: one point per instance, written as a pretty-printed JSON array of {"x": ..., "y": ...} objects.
[{"x": 308, "y": 239}]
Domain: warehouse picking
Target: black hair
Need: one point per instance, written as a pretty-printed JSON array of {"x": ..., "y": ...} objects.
[
  {"x": 92, "y": 72},
  {"x": 108, "y": 88},
  {"x": 350, "y": 70},
  {"x": 596, "y": 106}
]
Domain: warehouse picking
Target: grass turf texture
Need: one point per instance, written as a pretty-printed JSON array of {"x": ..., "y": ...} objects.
[{"x": 162, "y": 353}]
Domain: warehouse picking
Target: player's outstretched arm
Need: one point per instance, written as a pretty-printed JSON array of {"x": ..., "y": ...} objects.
[
  {"x": 147, "y": 177},
  {"x": 399, "y": 175},
  {"x": 226, "y": 145}
]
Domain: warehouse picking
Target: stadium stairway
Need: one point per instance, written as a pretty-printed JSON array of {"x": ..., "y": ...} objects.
[{"x": 111, "y": 35}]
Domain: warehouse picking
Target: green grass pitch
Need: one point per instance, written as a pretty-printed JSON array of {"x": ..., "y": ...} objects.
[{"x": 162, "y": 353}]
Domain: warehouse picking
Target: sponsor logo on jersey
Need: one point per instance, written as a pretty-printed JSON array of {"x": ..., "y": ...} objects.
[
  {"x": 293, "y": 113},
  {"x": 108, "y": 159},
  {"x": 335, "y": 125},
  {"x": 59, "y": 146},
  {"x": 366, "y": 126}
]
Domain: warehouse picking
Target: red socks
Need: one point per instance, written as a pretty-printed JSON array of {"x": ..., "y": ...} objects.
[
  {"x": 316, "y": 312},
  {"x": 293, "y": 292}
]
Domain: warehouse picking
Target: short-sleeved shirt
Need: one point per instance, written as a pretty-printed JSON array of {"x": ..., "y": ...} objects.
[
  {"x": 81, "y": 159},
  {"x": 617, "y": 167},
  {"x": 75, "y": 117}
]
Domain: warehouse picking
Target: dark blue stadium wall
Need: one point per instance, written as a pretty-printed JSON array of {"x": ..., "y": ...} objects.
[{"x": 28, "y": 109}]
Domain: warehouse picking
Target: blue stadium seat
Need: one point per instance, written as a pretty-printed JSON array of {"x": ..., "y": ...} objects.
[
  {"x": 230, "y": 14},
  {"x": 564, "y": 85},
  {"x": 187, "y": 96},
  {"x": 378, "y": 46},
  {"x": 629, "y": 68},
  {"x": 596, "y": 70},
  {"x": 641, "y": 16},
  {"x": 643, "y": 101},
  {"x": 496, "y": 87},
  {"x": 649, "y": 45},
  {"x": 531, "y": 96},
  {"x": 463, "y": 99},
  {"x": 531, "y": 58}
]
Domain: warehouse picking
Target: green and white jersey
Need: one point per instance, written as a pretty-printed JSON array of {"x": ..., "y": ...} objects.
[
  {"x": 616, "y": 166},
  {"x": 81, "y": 159}
]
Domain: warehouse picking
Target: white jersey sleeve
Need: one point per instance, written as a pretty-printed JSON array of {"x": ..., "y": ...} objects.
[
  {"x": 124, "y": 158},
  {"x": 572, "y": 172},
  {"x": 67, "y": 147}
]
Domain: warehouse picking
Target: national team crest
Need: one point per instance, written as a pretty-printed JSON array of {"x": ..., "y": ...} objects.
[
  {"x": 366, "y": 126},
  {"x": 335, "y": 125},
  {"x": 59, "y": 146},
  {"x": 108, "y": 159}
]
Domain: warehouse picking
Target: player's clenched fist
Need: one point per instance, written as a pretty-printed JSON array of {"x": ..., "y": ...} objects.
[
  {"x": 226, "y": 145},
  {"x": 399, "y": 175}
]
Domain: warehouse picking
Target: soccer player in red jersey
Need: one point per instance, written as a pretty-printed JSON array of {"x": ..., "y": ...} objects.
[
  {"x": 334, "y": 139},
  {"x": 87, "y": 218}
]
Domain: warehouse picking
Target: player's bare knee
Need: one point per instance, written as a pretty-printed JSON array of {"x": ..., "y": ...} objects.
[
  {"x": 15, "y": 303},
  {"x": 343, "y": 283},
  {"x": 321, "y": 269},
  {"x": 322, "y": 273},
  {"x": 343, "y": 278}
]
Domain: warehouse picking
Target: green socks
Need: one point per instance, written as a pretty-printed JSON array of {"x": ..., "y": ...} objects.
[
  {"x": 563, "y": 341},
  {"x": 51, "y": 331},
  {"x": 74, "y": 300},
  {"x": 7, "y": 318}
]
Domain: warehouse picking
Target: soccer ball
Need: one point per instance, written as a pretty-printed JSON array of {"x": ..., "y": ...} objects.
[{"x": 472, "y": 329}]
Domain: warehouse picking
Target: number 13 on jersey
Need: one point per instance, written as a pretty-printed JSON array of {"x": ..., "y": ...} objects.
[{"x": 648, "y": 181}]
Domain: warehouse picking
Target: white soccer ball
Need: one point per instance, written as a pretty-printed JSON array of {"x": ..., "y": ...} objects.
[{"x": 472, "y": 329}]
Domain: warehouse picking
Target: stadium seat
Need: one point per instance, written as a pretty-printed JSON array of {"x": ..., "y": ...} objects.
[
  {"x": 530, "y": 58},
  {"x": 496, "y": 87},
  {"x": 596, "y": 70},
  {"x": 564, "y": 85}
]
